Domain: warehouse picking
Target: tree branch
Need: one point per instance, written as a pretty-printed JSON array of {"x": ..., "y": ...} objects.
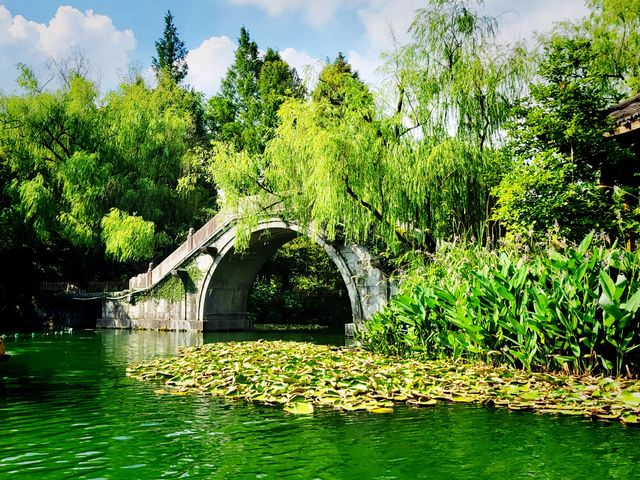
[
  {"x": 57, "y": 141},
  {"x": 376, "y": 213}
]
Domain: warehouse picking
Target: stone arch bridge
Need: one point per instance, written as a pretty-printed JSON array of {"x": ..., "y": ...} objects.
[{"x": 216, "y": 279}]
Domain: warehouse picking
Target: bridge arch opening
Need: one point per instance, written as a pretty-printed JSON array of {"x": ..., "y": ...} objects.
[
  {"x": 299, "y": 288},
  {"x": 225, "y": 293}
]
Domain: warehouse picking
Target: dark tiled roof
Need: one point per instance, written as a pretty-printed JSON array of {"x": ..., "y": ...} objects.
[{"x": 625, "y": 111}]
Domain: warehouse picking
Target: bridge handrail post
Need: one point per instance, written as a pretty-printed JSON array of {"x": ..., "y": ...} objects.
[
  {"x": 149, "y": 279},
  {"x": 190, "y": 239}
]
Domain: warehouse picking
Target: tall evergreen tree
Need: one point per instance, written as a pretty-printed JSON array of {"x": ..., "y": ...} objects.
[
  {"x": 276, "y": 82},
  {"x": 172, "y": 54},
  {"x": 244, "y": 113},
  {"x": 229, "y": 111}
]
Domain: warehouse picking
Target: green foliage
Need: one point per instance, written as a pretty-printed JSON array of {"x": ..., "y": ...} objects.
[
  {"x": 56, "y": 185},
  {"x": 153, "y": 145},
  {"x": 127, "y": 237},
  {"x": 83, "y": 179},
  {"x": 244, "y": 114},
  {"x": 614, "y": 26},
  {"x": 27, "y": 78},
  {"x": 36, "y": 204},
  {"x": 299, "y": 284},
  {"x": 454, "y": 78},
  {"x": 334, "y": 81},
  {"x": 351, "y": 175},
  {"x": 560, "y": 153},
  {"x": 564, "y": 110},
  {"x": 173, "y": 288},
  {"x": 170, "y": 289},
  {"x": 172, "y": 54},
  {"x": 341, "y": 165},
  {"x": 277, "y": 81},
  {"x": 541, "y": 198},
  {"x": 68, "y": 157},
  {"x": 576, "y": 308}
]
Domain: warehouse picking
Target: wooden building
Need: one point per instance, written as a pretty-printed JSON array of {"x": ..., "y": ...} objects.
[
  {"x": 626, "y": 131},
  {"x": 626, "y": 118}
]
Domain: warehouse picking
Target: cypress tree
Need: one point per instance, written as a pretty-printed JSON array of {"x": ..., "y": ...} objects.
[{"x": 172, "y": 54}]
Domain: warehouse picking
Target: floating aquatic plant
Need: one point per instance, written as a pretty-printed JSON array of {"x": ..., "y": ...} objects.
[
  {"x": 301, "y": 377},
  {"x": 288, "y": 327}
]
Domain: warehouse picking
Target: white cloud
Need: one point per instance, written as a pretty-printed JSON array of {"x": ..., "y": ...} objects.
[
  {"x": 386, "y": 24},
  {"x": 522, "y": 18},
  {"x": 68, "y": 33},
  {"x": 366, "y": 67},
  {"x": 209, "y": 62},
  {"x": 308, "y": 67},
  {"x": 316, "y": 13},
  {"x": 273, "y": 7},
  {"x": 388, "y": 21}
]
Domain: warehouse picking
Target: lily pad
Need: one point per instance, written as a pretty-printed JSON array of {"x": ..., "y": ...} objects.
[
  {"x": 300, "y": 377},
  {"x": 630, "y": 398},
  {"x": 381, "y": 410},
  {"x": 299, "y": 408},
  {"x": 532, "y": 395}
]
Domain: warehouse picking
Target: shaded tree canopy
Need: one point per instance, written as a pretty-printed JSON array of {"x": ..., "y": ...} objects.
[{"x": 70, "y": 158}]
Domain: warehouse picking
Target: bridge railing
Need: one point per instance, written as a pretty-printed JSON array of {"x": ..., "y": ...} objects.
[
  {"x": 89, "y": 287},
  {"x": 194, "y": 241}
]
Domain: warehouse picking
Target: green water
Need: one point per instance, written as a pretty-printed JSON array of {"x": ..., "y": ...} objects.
[{"x": 68, "y": 411}]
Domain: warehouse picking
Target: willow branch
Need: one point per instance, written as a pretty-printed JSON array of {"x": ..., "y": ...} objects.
[{"x": 375, "y": 212}]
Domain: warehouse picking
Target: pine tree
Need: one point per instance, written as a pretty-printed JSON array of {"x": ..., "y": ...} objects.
[{"x": 172, "y": 54}]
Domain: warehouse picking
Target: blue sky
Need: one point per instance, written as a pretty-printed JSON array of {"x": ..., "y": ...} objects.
[{"x": 116, "y": 34}]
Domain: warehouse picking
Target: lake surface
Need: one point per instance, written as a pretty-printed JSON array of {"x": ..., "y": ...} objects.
[{"x": 68, "y": 411}]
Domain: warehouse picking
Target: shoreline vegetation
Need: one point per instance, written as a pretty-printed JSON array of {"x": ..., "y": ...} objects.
[
  {"x": 302, "y": 377},
  {"x": 569, "y": 308}
]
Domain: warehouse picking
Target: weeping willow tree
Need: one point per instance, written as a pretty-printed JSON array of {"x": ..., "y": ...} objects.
[
  {"x": 342, "y": 166},
  {"x": 455, "y": 79},
  {"x": 614, "y": 29}
]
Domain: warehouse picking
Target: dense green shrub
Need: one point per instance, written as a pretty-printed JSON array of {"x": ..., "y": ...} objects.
[{"x": 574, "y": 308}]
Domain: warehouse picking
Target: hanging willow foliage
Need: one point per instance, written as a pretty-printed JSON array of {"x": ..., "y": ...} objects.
[
  {"x": 353, "y": 177},
  {"x": 455, "y": 78},
  {"x": 337, "y": 164}
]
